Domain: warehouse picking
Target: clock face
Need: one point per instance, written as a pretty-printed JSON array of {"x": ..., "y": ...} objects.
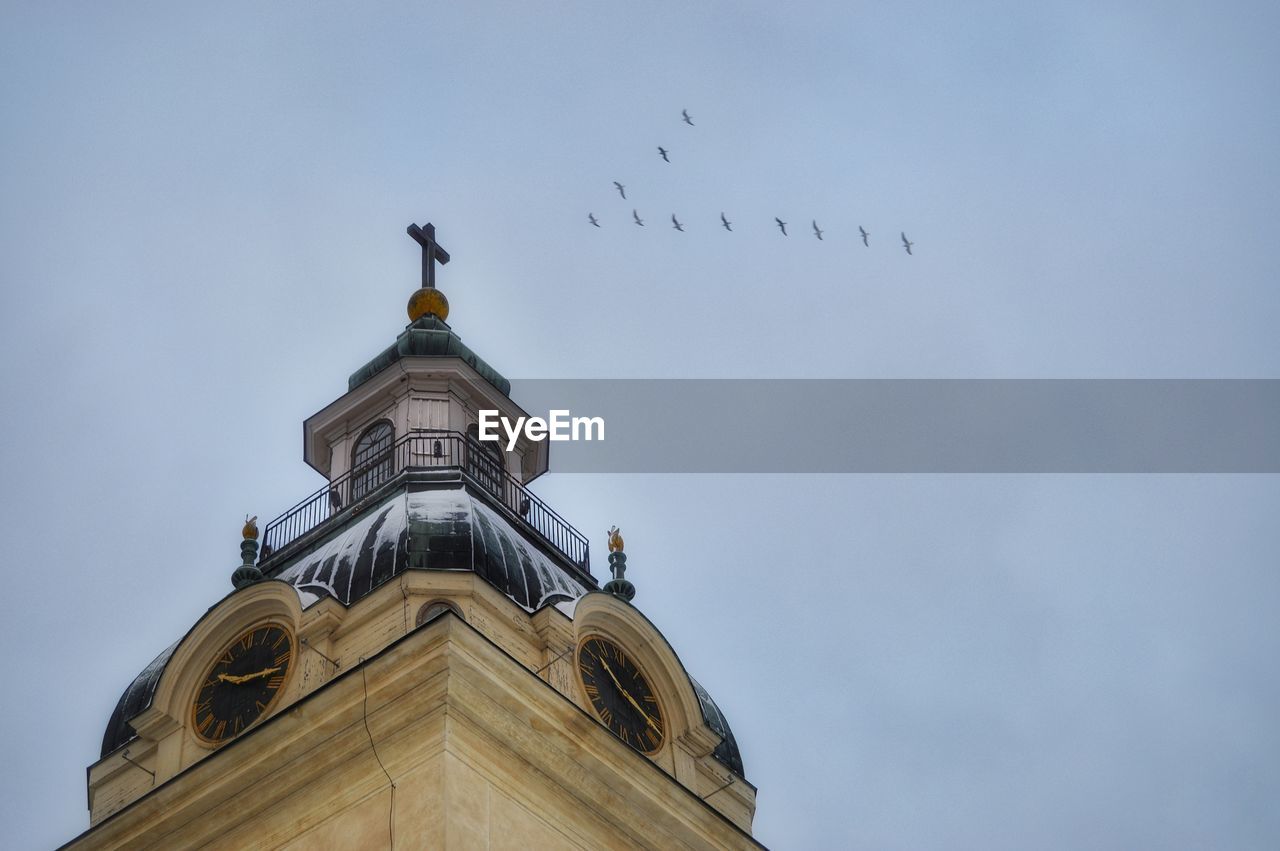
[
  {"x": 620, "y": 694},
  {"x": 243, "y": 683}
]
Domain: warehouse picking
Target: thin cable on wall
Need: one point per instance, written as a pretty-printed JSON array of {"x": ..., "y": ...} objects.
[
  {"x": 405, "y": 594},
  {"x": 308, "y": 645},
  {"x": 391, "y": 815},
  {"x": 564, "y": 653},
  {"x": 726, "y": 785}
]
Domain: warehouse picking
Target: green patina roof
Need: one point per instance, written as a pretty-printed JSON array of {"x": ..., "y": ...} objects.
[{"x": 428, "y": 336}]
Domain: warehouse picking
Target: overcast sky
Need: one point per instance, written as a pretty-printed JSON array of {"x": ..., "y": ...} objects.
[{"x": 202, "y": 213}]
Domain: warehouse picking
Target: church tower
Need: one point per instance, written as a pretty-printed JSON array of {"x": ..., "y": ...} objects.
[{"x": 418, "y": 655}]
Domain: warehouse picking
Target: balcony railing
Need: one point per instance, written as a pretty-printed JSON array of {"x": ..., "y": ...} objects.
[{"x": 426, "y": 450}]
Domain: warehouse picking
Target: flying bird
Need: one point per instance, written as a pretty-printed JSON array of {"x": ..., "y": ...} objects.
[
  {"x": 725, "y": 222},
  {"x": 636, "y": 216},
  {"x": 864, "y": 233},
  {"x": 675, "y": 223},
  {"x": 663, "y": 151},
  {"x": 782, "y": 226},
  {"x": 906, "y": 243},
  {"x": 622, "y": 190},
  {"x": 687, "y": 119},
  {"x": 817, "y": 231},
  {"x": 591, "y": 217}
]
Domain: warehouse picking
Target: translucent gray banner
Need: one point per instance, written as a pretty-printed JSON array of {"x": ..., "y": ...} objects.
[{"x": 915, "y": 426}]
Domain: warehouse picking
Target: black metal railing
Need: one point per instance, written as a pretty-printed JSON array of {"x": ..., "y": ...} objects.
[{"x": 426, "y": 450}]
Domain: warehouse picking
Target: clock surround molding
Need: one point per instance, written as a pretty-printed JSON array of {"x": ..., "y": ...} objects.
[
  {"x": 688, "y": 740},
  {"x": 165, "y": 730},
  {"x": 285, "y": 668}
]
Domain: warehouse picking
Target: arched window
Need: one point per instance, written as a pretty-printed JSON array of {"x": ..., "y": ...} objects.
[
  {"x": 434, "y": 609},
  {"x": 371, "y": 462}
]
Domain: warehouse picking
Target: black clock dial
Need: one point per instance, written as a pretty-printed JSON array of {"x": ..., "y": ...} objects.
[
  {"x": 243, "y": 683},
  {"x": 620, "y": 694}
]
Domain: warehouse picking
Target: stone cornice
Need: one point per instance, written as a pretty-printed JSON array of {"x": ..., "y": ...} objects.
[{"x": 442, "y": 688}]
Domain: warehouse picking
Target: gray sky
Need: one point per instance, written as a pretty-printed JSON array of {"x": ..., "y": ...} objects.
[{"x": 202, "y": 215}]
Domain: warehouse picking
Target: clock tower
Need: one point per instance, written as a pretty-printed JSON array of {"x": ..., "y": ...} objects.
[{"x": 419, "y": 655}]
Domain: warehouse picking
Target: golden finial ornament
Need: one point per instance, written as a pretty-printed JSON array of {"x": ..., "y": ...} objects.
[
  {"x": 428, "y": 300},
  {"x": 618, "y": 585},
  {"x": 247, "y": 573}
]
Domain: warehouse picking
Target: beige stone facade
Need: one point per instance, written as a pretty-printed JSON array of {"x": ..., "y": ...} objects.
[{"x": 467, "y": 731}]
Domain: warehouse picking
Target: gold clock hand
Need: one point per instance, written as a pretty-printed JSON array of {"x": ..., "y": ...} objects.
[
  {"x": 628, "y": 696},
  {"x": 257, "y": 675},
  {"x": 235, "y": 679},
  {"x": 647, "y": 719},
  {"x": 609, "y": 671}
]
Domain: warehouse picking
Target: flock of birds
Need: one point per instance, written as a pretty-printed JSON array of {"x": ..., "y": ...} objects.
[{"x": 724, "y": 221}]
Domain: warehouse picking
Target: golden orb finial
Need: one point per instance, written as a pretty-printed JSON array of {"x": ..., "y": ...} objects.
[
  {"x": 615, "y": 539},
  {"x": 428, "y": 300},
  {"x": 250, "y": 530}
]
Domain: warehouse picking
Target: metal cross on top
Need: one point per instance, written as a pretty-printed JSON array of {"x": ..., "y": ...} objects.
[{"x": 431, "y": 252}]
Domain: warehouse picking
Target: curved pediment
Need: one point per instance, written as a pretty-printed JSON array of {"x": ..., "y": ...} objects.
[
  {"x": 695, "y": 719},
  {"x": 151, "y": 700}
]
